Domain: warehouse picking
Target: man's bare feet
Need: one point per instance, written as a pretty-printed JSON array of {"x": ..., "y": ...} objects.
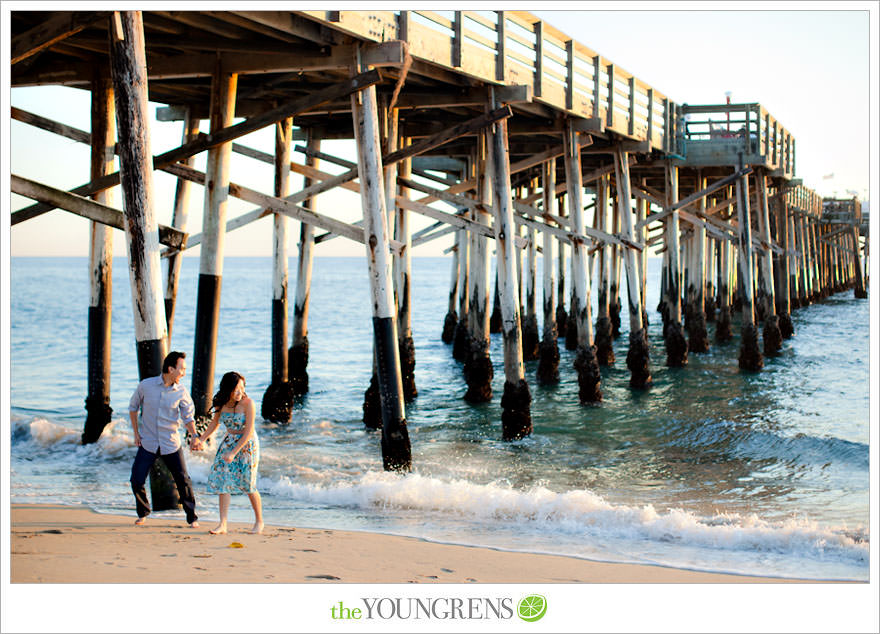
[
  {"x": 256, "y": 529},
  {"x": 220, "y": 529},
  {"x": 194, "y": 524},
  {"x": 140, "y": 521}
]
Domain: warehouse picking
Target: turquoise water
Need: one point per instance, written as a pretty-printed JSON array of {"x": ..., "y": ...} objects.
[{"x": 711, "y": 469}]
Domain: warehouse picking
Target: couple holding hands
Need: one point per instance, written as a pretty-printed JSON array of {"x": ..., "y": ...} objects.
[{"x": 164, "y": 404}]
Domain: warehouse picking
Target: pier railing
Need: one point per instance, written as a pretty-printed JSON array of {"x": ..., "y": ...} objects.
[
  {"x": 517, "y": 48},
  {"x": 804, "y": 200},
  {"x": 716, "y": 134}
]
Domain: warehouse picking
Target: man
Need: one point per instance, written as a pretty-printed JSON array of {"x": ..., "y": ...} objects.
[{"x": 164, "y": 403}]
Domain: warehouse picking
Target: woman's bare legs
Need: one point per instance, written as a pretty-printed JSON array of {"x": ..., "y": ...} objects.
[
  {"x": 224, "y": 511},
  {"x": 257, "y": 504}
]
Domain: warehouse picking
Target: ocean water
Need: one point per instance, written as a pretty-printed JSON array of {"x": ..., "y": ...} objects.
[{"x": 711, "y": 469}]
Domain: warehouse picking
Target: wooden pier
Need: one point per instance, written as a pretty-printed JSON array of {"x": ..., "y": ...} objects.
[{"x": 530, "y": 140}]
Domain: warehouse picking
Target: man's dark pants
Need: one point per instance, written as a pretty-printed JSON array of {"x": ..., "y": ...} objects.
[{"x": 176, "y": 465}]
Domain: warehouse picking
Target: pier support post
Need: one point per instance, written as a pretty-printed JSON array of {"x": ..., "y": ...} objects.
[
  {"x": 589, "y": 378},
  {"x": 676, "y": 344},
  {"x": 516, "y": 416},
  {"x": 561, "y": 314},
  {"x": 495, "y": 319},
  {"x": 614, "y": 253},
  {"x": 403, "y": 277},
  {"x": 277, "y": 404},
  {"x": 103, "y": 162},
  {"x": 722, "y": 325},
  {"x": 750, "y": 357},
  {"x": 638, "y": 356},
  {"x": 530, "y": 323},
  {"x": 478, "y": 371},
  {"x": 772, "y": 332},
  {"x": 642, "y": 208},
  {"x": 698, "y": 336},
  {"x": 604, "y": 327},
  {"x": 461, "y": 340},
  {"x": 298, "y": 353},
  {"x": 223, "y": 89},
  {"x": 179, "y": 221},
  {"x": 548, "y": 357},
  {"x": 859, "y": 289},
  {"x": 451, "y": 320},
  {"x": 396, "y": 451},
  {"x": 128, "y": 70}
]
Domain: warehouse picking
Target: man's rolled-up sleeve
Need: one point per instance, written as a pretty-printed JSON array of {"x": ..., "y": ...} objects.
[
  {"x": 137, "y": 399},
  {"x": 187, "y": 409}
]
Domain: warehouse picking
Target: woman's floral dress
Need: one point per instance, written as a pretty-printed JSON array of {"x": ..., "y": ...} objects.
[{"x": 240, "y": 475}]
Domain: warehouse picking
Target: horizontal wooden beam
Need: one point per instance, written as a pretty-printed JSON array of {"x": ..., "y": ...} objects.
[
  {"x": 87, "y": 208},
  {"x": 57, "y": 26},
  {"x": 207, "y": 141}
]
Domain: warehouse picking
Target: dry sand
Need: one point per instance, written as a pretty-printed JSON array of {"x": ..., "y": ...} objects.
[{"x": 70, "y": 544}]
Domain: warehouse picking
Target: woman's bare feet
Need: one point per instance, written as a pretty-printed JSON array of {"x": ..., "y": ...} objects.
[
  {"x": 140, "y": 521},
  {"x": 256, "y": 529},
  {"x": 220, "y": 529}
]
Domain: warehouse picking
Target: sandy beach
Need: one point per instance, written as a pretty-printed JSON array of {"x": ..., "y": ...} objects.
[{"x": 73, "y": 544}]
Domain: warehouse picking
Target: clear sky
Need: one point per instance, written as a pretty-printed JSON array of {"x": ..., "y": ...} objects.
[{"x": 809, "y": 69}]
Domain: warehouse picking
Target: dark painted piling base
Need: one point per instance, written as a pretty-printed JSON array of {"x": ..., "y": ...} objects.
[
  {"x": 604, "y": 341},
  {"x": 737, "y": 303},
  {"x": 99, "y": 412},
  {"x": 698, "y": 336},
  {"x": 449, "y": 327},
  {"x": 795, "y": 302},
  {"x": 478, "y": 373},
  {"x": 277, "y": 405},
  {"x": 614, "y": 315},
  {"x": 297, "y": 362},
  {"x": 396, "y": 450},
  {"x": 589, "y": 377},
  {"x": 530, "y": 338},
  {"x": 571, "y": 333},
  {"x": 461, "y": 343},
  {"x": 561, "y": 321},
  {"x": 548, "y": 360},
  {"x": 676, "y": 345},
  {"x": 722, "y": 327},
  {"x": 495, "y": 319},
  {"x": 772, "y": 336},
  {"x": 407, "y": 351},
  {"x": 516, "y": 414},
  {"x": 860, "y": 293},
  {"x": 372, "y": 405},
  {"x": 786, "y": 327},
  {"x": 749, "y": 354},
  {"x": 638, "y": 360},
  {"x": 709, "y": 308},
  {"x": 163, "y": 491}
]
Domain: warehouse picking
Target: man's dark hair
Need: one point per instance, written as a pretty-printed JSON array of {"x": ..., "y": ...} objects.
[{"x": 171, "y": 360}]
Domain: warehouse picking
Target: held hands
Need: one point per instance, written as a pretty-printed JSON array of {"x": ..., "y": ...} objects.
[{"x": 196, "y": 444}]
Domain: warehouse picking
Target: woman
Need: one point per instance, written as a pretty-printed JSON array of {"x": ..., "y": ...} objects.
[{"x": 238, "y": 456}]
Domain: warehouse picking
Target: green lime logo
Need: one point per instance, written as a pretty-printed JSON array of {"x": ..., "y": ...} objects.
[{"x": 532, "y": 608}]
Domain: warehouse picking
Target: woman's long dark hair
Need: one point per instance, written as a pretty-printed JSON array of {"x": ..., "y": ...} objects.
[{"x": 227, "y": 385}]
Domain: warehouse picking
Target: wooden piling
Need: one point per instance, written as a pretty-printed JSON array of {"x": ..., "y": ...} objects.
[
  {"x": 638, "y": 356},
  {"x": 451, "y": 320},
  {"x": 531, "y": 339},
  {"x": 103, "y": 161},
  {"x": 722, "y": 325},
  {"x": 223, "y": 90},
  {"x": 698, "y": 336},
  {"x": 403, "y": 277},
  {"x": 298, "y": 353},
  {"x": 179, "y": 221},
  {"x": 461, "y": 340},
  {"x": 750, "y": 357},
  {"x": 396, "y": 451},
  {"x": 478, "y": 370},
  {"x": 642, "y": 208},
  {"x": 495, "y": 320},
  {"x": 548, "y": 357},
  {"x": 128, "y": 71},
  {"x": 676, "y": 344},
  {"x": 772, "y": 333},
  {"x": 614, "y": 255},
  {"x": 604, "y": 328},
  {"x": 516, "y": 416},
  {"x": 277, "y": 404},
  {"x": 561, "y": 313},
  {"x": 859, "y": 289},
  {"x": 586, "y": 364}
]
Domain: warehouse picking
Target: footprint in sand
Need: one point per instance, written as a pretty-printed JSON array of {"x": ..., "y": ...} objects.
[
  {"x": 53, "y": 531},
  {"x": 328, "y": 577},
  {"x": 447, "y": 570}
]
